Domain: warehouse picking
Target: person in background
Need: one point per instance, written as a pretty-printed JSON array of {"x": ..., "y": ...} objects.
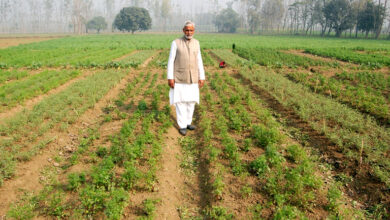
[{"x": 185, "y": 76}]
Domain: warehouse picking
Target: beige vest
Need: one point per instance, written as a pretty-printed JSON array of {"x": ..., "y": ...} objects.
[{"x": 186, "y": 63}]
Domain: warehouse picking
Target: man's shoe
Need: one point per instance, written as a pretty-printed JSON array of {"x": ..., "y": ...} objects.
[
  {"x": 191, "y": 127},
  {"x": 183, "y": 131}
]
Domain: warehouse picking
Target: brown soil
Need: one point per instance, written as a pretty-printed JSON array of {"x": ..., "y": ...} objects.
[
  {"x": 9, "y": 42},
  {"x": 27, "y": 175},
  {"x": 171, "y": 181},
  {"x": 31, "y": 102}
]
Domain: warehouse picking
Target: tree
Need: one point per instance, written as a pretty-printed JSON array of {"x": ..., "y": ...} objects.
[
  {"x": 97, "y": 23},
  {"x": 227, "y": 21},
  {"x": 133, "y": 19},
  {"x": 366, "y": 18},
  {"x": 319, "y": 15},
  {"x": 340, "y": 15},
  {"x": 253, "y": 14},
  {"x": 165, "y": 12},
  {"x": 272, "y": 13}
]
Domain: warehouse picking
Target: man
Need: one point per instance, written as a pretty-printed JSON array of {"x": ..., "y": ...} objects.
[{"x": 185, "y": 76}]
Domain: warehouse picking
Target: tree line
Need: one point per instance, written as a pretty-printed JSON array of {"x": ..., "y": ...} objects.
[
  {"x": 323, "y": 17},
  {"x": 368, "y": 18}
]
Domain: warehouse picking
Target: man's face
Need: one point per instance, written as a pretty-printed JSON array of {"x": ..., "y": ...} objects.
[{"x": 189, "y": 31}]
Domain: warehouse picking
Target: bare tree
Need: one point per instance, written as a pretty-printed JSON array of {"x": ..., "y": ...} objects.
[
  {"x": 165, "y": 12},
  {"x": 271, "y": 14}
]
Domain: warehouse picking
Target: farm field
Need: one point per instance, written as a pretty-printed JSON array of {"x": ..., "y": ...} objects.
[{"x": 292, "y": 128}]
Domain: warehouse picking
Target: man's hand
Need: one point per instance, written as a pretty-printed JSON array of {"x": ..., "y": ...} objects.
[
  {"x": 201, "y": 83},
  {"x": 171, "y": 83}
]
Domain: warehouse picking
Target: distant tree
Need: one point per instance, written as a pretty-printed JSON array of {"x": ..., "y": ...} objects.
[
  {"x": 5, "y": 6},
  {"x": 227, "y": 21},
  {"x": 133, "y": 19},
  {"x": 380, "y": 11},
  {"x": 340, "y": 15},
  {"x": 97, "y": 23},
  {"x": 272, "y": 13},
  {"x": 319, "y": 15},
  {"x": 165, "y": 12},
  {"x": 366, "y": 18},
  {"x": 253, "y": 14}
]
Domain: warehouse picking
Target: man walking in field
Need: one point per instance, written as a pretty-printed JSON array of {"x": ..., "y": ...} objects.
[{"x": 185, "y": 76}]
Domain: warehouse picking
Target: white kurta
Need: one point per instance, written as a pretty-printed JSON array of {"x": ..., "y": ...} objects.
[{"x": 183, "y": 92}]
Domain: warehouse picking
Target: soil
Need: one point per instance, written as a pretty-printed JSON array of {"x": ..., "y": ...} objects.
[
  {"x": 171, "y": 180},
  {"x": 12, "y": 41}
]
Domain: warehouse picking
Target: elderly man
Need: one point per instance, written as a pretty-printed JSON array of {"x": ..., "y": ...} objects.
[{"x": 185, "y": 76}]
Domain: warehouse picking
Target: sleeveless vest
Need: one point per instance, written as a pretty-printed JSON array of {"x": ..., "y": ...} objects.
[{"x": 186, "y": 62}]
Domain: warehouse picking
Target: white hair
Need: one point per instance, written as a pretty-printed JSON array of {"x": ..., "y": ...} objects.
[{"x": 189, "y": 23}]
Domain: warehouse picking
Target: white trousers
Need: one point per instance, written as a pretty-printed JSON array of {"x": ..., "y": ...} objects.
[{"x": 184, "y": 113}]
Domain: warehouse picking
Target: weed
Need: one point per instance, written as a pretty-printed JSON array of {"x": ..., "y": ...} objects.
[
  {"x": 149, "y": 206},
  {"x": 288, "y": 212},
  {"x": 101, "y": 151},
  {"x": 246, "y": 191},
  {"x": 296, "y": 153},
  {"x": 260, "y": 166},
  {"x": 93, "y": 199},
  {"x": 75, "y": 180},
  {"x": 114, "y": 206},
  {"x": 130, "y": 176},
  {"x": 218, "y": 213},
  {"x": 264, "y": 136},
  {"x": 23, "y": 209}
]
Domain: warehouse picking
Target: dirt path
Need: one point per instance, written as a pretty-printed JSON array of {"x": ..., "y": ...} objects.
[
  {"x": 27, "y": 175},
  {"x": 126, "y": 55},
  {"x": 29, "y": 104},
  {"x": 171, "y": 180},
  {"x": 320, "y": 58},
  {"x": 147, "y": 61}
]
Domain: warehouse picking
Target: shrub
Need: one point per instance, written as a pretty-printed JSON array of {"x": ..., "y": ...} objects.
[
  {"x": 92, "y": 199},
  {"x": 150, "y": 206},
  {"x": 296, "y": 153},
  {"x": 264, "y": 136},
  {"x": 118, "y": 200},
  {"x": 130, "y": 176},
  {"x": 259, "y": 166},
  {"x": 75, "y": 181},
  {"x": 218, "y": 212}
]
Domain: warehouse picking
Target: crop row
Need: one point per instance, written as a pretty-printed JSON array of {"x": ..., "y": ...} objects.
[
  {"x": 372, "y": 60},
  {"x": 82, "y": 57},
  {"x": 17, "y": 92},
  {"x": 128, "y": 163},
  {"x": 371, "y": 79},
  {"x": 62, "y": 109},
  {"x": 274, "y": 58},
  {"x": 360, "y": 138},
  {"x": 361, "y": 97},
  {"x": 8, "y": 75},
  {"x": 284, "y": 173}
]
